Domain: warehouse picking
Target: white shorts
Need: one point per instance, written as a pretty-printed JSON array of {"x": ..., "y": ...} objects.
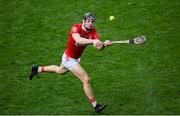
[{"x": 69, "y": 62}]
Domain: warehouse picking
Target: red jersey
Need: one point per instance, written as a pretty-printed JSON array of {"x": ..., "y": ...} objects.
[{"x": 72, "y": 49}]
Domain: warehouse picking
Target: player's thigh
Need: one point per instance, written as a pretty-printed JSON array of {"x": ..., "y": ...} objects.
[{"x": 79, "y": 72}]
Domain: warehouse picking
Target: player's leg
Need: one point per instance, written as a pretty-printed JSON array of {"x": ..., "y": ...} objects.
[
  {"x": 79, "y": 72},
  {"x": 52, "y": 68}
]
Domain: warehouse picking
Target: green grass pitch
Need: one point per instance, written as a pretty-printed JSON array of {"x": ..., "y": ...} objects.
[{"x": 130, "y": 79}]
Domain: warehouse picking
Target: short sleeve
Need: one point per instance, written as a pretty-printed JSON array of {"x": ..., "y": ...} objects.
[{"x": 74, "y": 29}]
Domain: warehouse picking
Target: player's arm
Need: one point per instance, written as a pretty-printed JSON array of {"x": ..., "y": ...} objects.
[{"x": 81, "y": 41}]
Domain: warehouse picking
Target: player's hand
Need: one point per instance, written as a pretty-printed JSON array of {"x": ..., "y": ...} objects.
[
  {"x": 107, "y": 43},
  {"x": 97, "y": 43}
]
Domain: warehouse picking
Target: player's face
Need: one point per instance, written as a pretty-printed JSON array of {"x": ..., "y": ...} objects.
[{"x": 89, "y": 24}]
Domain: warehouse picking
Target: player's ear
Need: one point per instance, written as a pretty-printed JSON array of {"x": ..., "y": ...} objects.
[{"x": 83, "y": 21}]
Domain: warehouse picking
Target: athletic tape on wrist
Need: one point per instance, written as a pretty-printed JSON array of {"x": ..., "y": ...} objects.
[{"x": 131, "y": 41}]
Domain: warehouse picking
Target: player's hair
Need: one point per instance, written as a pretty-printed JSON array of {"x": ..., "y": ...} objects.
[{"x": 89, "y": 16}]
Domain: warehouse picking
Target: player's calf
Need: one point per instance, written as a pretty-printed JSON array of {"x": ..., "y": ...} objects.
[{"x": 51, "y": 68}]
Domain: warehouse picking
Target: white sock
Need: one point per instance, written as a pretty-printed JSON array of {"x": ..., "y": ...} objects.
[{"x": 94, "y": 103}]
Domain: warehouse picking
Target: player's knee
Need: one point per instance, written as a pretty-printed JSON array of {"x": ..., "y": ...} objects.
[
  {"x": 86, "y": 80},
  {"x": 59, "y": 71}
]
